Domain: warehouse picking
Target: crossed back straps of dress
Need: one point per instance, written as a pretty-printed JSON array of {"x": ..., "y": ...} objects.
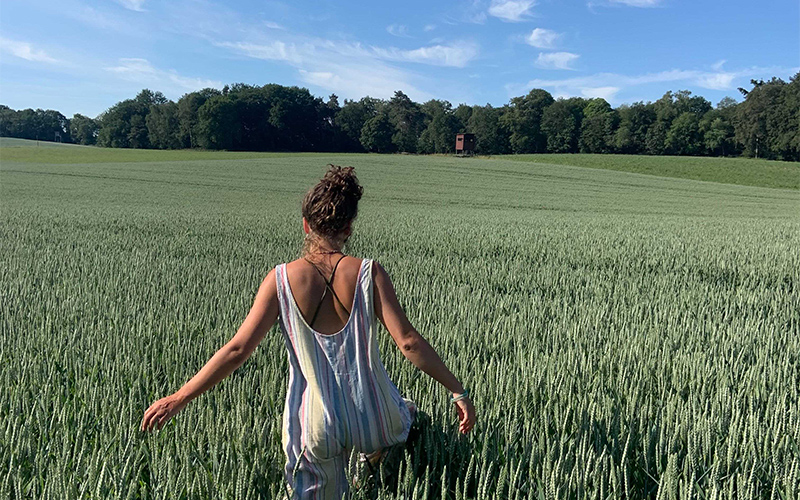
[{"x": 328, "y": 286}]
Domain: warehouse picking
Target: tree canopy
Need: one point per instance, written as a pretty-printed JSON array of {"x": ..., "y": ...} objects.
[{"x": 766, "y": 124}]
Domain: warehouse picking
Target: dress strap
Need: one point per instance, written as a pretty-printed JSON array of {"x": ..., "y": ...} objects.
[{"x": 328, "y": 286}]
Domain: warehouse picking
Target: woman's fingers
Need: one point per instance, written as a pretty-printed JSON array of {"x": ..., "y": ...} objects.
[
  {"x": 152, "y": 420},
  {"x": 158, "y": 414},
  {"x": 466, "y": 415},
  {"x": 148, "y": 416},
  {"x": 163, "y": 420}
]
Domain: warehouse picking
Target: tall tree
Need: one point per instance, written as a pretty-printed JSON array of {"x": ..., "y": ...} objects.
[
  {"x": 296, "y": 116},
  {"x": 717, "y": 136},
  {"x": 523, "y": 118},
  {"x": 351, "y": 118},
  {"x": 275, "y": 117},
  {"x": 665, "y": 110},
  {"x": 7, "y": 121},
  {"x": 491, "y": 138},
  {"x": 268, "y": 118},
  {"x": 655, "y": 140},
  {"x": 758, "y": 118},
  {"x": 188, "y": 106},
  {"x": 598, "y": 126},
  {"x": 39, "y": 124},
  {"x": 789, "y": 141},
  {"x": 634, "y": 120},
  {"x": 376, "y": 135},
  {"x": 124, "y": 124},
  {"x": 683, "y": 137},
  {"x": 83, "y": 129},
  {"x": 218, "y": 123},
  {"x": 407, "y": 120},
  {"x": 596, "y": 106},
  {"x": 685, "y": 102},
  {"x": 332, "y": 137},
  {"x": 463, "y": 113},
  {"x": 441, "y": 128},
  {"x": 561, "y": 123},
  {"x": 163, "y": 126},
  {"x": 23, "y": 124}
]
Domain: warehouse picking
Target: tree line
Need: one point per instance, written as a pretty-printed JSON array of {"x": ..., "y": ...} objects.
[{"x": 766, "y": 124}]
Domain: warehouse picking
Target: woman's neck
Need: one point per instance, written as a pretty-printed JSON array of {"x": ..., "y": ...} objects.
[
  {"x": 314, "y": 245},
  {"x": 324, "y": 252}
]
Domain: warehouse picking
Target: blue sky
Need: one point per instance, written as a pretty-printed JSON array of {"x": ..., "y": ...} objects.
[{"x": 82, "y": 56}]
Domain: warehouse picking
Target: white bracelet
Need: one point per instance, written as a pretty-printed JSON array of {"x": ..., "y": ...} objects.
[{"x": 460, "y": 396}]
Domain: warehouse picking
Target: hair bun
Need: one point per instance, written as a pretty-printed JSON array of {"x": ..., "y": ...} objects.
[
  {"x": 344, "y": 180},
  {"x": 331, "y": 205}
]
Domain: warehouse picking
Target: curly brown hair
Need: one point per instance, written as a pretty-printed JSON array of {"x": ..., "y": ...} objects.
[{"x": 332, "y": 204}]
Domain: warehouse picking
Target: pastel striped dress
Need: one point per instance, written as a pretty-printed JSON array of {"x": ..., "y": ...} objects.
[{"x": 340, "y": 397}]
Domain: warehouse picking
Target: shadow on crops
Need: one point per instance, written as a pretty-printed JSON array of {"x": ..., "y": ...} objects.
[{"x": 428, "y": 457}]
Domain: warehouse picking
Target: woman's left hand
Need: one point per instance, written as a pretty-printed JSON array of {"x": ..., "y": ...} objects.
[{"x": 161, "y": 411}]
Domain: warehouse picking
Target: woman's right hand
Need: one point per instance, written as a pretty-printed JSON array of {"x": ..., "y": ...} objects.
[
  {"x": 466, "y": 414},
  {"x": 161, "y": 411}
]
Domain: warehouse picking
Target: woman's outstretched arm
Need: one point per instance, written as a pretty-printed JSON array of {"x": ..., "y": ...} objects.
[
  {"x": 259, "y": 320},
  {"x": 414, "y": 347}
]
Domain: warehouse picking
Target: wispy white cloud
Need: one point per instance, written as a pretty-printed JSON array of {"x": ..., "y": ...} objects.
[
  {"x": 356, "y": 81},
  {"x": 93, "y": 17},
  {"x": 606, "y": 93},
  {"x": 610, "y": 84},
  {"x": 134, "y": 68},
  {"x": 143, "y": 72},
  {"x": 132, "y": 4},
  {"x": 270, "y": 51},
  {"x": 341, "y": 65},
  {"x": 511, "y": 10},
  {"x": 706, "y": 79},
  {"x": 457, "y": 54},
  {"x": 716, "y": 81},
  {"x": 543, "y": 38},
  {"x": 106, "y": 16},
  {"x": 273, "y": 25},
  {"x": 398, "y": 30},
  {"x": 429, "y": 27},
  {"x": 473, "y": 12},
  {"x": 24, "y": 50},
  {"x": 349, "y": 69},
  {"x": 556, "y": 60}
]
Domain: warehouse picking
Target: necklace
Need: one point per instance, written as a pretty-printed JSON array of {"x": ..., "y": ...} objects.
[{"x": 330, "y": 252}]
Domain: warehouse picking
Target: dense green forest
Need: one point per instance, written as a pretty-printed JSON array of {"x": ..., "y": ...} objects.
[{"x": 766, "y": 124}]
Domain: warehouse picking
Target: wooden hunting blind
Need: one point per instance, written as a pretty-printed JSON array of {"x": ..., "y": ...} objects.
[{"x": 465, "y": 144}]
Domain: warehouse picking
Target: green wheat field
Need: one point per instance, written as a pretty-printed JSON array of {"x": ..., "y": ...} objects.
[{"x": 623, "y": 335}]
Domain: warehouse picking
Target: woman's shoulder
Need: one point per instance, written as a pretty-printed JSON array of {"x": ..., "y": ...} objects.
[
  {"x": 345, "y": 258},
  {"x": 349, "y": 265}
]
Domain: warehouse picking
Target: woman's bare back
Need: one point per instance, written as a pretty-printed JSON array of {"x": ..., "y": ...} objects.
[{"x": 308, "y": 287}]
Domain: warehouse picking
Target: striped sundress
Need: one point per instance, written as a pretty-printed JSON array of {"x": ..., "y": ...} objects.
[{"x": 340, "y": 397}]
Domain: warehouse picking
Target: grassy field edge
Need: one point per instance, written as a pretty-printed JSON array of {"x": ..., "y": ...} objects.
[{"x": 739, "y": 171}]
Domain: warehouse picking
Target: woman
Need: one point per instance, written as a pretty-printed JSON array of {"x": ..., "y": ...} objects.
[{"x": 340, "y": 397}]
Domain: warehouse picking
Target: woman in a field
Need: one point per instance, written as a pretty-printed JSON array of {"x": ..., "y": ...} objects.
[{"x": 340, "y": 397}]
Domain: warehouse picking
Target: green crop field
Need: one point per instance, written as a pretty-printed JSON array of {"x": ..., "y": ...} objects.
[
  {"x": 623, "y": 335},
  {"x": 745, "y": 171}
]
